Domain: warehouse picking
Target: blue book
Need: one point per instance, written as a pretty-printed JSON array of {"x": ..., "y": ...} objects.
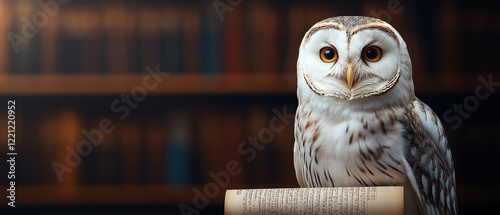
[
  {"x": 177, "y": 150},
  {"x": 211, "y": 41}
]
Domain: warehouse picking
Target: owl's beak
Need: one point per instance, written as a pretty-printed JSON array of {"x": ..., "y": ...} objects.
[{"x": 350, "y": 75}]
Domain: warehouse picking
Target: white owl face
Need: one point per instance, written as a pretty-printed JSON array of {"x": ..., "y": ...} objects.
[{"x": 351, "y": 57}]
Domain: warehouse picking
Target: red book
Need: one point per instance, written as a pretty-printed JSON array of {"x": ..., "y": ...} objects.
[{"x": 234, "y": 49}]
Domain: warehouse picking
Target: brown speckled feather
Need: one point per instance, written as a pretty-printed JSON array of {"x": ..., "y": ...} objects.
[{"x": 431, "y": 166}]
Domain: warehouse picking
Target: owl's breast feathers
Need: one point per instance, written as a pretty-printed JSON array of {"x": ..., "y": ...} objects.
[
  {"x": 358, "y": 151},
  {"x": 385, "y": 147}
]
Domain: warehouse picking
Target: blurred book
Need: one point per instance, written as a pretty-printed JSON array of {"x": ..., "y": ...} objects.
[
  {"x": 171, "y": 44},
  {"x": 129, "y": 136},
  {"x": 119, "y": 23},
  {"x": 211, "y": 142},
  {"x": 177, "y": 148},
  {"x": 155, "y": 139},
  {"x": 103, "y": 164},
  {"x": 262, "y": 30},
  {"x": 94, "y": 37},
  {"x": 191, "y": 22},
  {"x": 232, "y": 123},
  {"x": 70, "y": 43},
  {"x": 257, "y": 127},
  {"x": 234, "y": 41},
  {"x": 67, "y": 152},
  {"x": 211, "y": 41},
  {"x": 5, "y": 45},
  {"x": 24, "y": 39},
  {"x": 147, "y": 35}
]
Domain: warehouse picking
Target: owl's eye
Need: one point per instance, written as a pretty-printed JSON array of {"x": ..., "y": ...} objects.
[
  {"x": 372, "y": 53},
  {"x": 328, "y": 54}
]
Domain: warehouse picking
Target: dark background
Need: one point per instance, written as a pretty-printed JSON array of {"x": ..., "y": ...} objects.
[{"x": 225, "y": 79}]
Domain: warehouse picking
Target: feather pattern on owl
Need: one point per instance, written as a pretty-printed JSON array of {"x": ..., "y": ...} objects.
[{"x": 359, "y": 123}]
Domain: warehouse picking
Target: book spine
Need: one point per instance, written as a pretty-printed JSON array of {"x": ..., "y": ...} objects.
[
  {"x": 119, "y": 22},
  {"x": 129, "y": 137},
  {"x": 191, "y": 27},
  {"x": 68, "y": 135},
  {"x": 211, "y": 42},
  {"x": 70, "y": 42},
  {"x": 234, "y": 40},
  {"x": 171, "y": 43},
  {"x": 93, "y": 36},
  {"x": 297, "y": 28},
  {"x": 283, "y": 143},
  {"x": 27, "y": 144},
  {"x": 5, "y": 44},
  {"x": 47, "y": 130},
  {"x": 177, "y": 149},
  {"x": 24, "y": 39},
  {"x": 260, "y": 169},
  {"x": 211, "y": 136},
  {"x": 49, "y": 37},
  {"x": 262, "y": 28},
  {"x": 148, "y": 32},
  {"x": 233, "y": 121},
  {"x": 155, "y": 160},
  {"x": 105, "y": 162},
  {"x": 449, "y": 29}
]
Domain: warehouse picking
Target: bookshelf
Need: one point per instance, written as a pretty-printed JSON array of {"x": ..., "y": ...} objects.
[{"x": 219, "y": 82}]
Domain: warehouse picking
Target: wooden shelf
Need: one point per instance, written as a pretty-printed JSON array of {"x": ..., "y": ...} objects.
[
  {"x": 133, "y": 194},
  {"x": 126, "y": 83},
  {"x": 104, "y": 195},
  {"x": 200, "y": 84}
]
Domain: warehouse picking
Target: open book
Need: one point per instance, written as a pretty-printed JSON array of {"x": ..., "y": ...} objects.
[{"x": 387, "y": 200}]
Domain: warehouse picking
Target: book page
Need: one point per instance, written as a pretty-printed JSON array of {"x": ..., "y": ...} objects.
[{"x": 387, "y": 200}]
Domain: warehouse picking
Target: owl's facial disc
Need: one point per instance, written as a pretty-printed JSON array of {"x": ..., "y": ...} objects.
[{"x": 350, "y": 63}]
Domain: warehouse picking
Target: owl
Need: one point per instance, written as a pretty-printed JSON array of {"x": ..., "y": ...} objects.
[{"x": 358, "y": 121}]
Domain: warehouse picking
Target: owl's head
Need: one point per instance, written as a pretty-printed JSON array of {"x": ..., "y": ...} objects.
[{"x": 354, "y": 58}]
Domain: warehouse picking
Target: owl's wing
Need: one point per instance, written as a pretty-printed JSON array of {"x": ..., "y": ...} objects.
[
  {"x": 429, "y": 162},
  {"x": 298, "y": 167}
]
